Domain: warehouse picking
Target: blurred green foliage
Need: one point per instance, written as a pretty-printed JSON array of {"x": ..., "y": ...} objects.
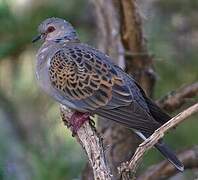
[
  {"x": 34, "y": 142},
  {"x": 171, "y": 31}
]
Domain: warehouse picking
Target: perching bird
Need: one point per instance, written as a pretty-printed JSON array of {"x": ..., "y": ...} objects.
[{"x": 87, "y": 81}]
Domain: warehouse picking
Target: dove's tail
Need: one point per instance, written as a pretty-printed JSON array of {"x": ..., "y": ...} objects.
[
  {"x": 166, "y": 152},
  {"x": 170, "y": 155}
]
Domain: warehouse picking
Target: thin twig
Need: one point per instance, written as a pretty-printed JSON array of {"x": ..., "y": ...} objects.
[
  {"x": 153, "y": 139},
  {"x": 176, "y": 99},
  {"x": 92, "y": 144}
]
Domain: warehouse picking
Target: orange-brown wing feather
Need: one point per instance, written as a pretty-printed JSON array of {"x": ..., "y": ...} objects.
[{"x": 81, "y": 76}]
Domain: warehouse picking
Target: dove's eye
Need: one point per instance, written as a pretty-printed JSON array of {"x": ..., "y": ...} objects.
[{"x": 50, "y": 29}]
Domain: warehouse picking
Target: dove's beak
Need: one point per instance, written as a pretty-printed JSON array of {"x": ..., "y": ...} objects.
[{"x": 36, "y": 38}]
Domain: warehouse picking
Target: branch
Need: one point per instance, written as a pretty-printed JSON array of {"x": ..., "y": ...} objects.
[
  {"x": 134, "y": 42},
  {"x": 153, "y": 139},
  {"x": 164, "y": 169},
  {"x": 91, "y": 142},
  {"x": 176, "y": 99}
]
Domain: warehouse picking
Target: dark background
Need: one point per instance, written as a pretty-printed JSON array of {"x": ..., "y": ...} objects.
[{"x": 34, "y": 144}]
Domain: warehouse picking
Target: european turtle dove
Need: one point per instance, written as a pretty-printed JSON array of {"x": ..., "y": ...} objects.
[{"x": 87, "y": 81}]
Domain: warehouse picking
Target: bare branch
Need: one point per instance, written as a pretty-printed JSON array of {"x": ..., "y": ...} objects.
[
  {"x": 166, "y": 170},
  {"x": 176, "y": 99},
  {"x": 91, "y": 143},
  {"x": 134, "y": 42},
  {"x": 153, "y": 139}
]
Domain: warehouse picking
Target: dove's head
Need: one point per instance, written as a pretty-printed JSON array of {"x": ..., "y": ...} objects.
[{"x": 56, "y": 29}]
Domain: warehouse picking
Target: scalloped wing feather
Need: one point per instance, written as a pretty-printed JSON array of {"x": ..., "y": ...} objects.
[{"x": 82, "y": 76}]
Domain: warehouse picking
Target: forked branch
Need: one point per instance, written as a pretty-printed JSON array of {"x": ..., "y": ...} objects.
[{"x": 153, "y": 139}]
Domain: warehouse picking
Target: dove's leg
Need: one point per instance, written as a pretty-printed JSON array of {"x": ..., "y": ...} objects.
[{"x": 77, "y": 120}]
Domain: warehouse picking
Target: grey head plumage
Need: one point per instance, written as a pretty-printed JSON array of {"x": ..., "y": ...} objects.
[{"x": 56, "y": 29}]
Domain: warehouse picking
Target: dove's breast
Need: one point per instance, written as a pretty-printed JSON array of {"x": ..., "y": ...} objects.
[{"x": 44, "y": 57}]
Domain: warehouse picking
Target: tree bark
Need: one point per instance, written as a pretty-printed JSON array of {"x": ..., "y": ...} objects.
[
  {"x": 90, "y": 141},
  {"x": 120, "y": 35}
]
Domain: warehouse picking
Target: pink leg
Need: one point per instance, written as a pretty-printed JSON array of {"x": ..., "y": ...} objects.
[{"x": 77, "y": 120}]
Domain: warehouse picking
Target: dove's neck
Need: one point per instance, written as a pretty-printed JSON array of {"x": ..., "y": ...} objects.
[
  {"x": 63, "y": 37},
  {"x": 66, "y": 39}
]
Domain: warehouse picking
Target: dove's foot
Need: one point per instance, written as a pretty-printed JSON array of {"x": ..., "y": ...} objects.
[{"x": 77, "y": 120}]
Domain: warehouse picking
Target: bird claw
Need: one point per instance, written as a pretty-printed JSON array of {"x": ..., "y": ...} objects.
[{"x": 77, "y": 120}]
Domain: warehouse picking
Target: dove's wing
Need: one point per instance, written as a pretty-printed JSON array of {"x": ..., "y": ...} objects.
[
  {"x": 81, "y": 76},
  {"x": 93, "y": 83}
]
